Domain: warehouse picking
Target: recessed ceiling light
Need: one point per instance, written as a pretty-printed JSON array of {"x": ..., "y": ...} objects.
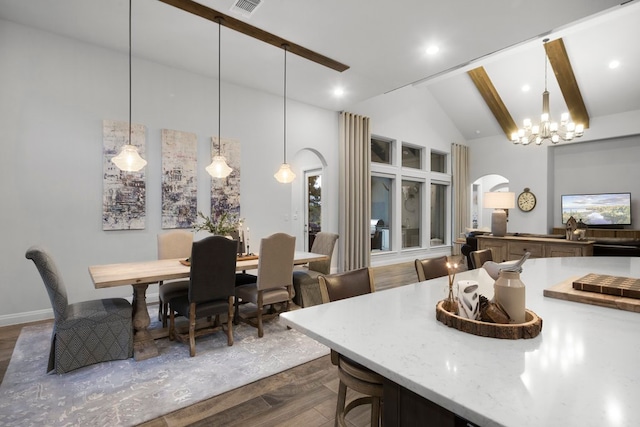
[
  {"x": 432, "y": 50},
  {"x": 338, "y": 92},
  {"x": 526, "y": 88},
  {"x": 614, "y": 64}
]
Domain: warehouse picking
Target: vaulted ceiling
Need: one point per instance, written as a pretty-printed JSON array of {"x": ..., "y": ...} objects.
[{"x": 383, "y": 45}]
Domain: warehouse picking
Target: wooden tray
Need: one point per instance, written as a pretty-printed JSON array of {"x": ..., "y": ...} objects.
[
  {"x": 564, "y": 290},
  {"x": 240, "y": 258},
  {"x": 531, "y": 328}
]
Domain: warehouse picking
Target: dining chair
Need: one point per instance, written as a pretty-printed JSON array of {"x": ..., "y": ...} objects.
[
  {"x": 305, "y": 279},
  {"x": 478, "y": 258},
  {"x": 274, "y": 282},
  {"x": 211, "y": 290},
  {"x": 84, "y": 332},
  {"x": 353, "y": 375},
  {"x": 172, "y": 244},
  {"x": 431, "y": 268}
]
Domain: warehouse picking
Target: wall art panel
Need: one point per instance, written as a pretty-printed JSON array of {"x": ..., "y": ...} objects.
[
  {"x": 225, "y": 193},
  {"x": 124, "y": 194},
  {"x": 179, "y": 179}
]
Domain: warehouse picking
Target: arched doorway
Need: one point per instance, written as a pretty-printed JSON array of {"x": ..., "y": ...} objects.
[
  {"x": 308, "y": 195},
  {"x": 481, "y": 217}
]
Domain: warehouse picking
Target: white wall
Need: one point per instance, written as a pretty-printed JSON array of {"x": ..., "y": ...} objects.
[
  {"x": 54, "y": 94},
  {"x": 606, "y": 157}
]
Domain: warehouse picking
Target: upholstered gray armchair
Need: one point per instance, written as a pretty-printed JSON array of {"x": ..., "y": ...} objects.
[
  {"x": 305, "y": 279},
  {"x": 85, "y": 332}
]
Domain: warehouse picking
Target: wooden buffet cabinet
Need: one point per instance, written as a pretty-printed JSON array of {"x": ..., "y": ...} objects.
[{"x": 509, "y": 248}]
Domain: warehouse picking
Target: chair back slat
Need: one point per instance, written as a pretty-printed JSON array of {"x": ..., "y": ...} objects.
[
  {"x": 431, "y": 268},
  {"x": 213, "y": 269},
  {"x": 52, "y": 280},
  {"x": 275, "y": 261},
  {"x": 323, "y": 244},
  {"x": 175, "y": 244}
]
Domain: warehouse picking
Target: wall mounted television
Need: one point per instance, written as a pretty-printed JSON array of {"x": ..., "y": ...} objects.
[{"x": 603, "y": 209}]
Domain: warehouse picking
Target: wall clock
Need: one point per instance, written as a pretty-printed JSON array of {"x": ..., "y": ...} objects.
[{"x": 526, "y": 200}]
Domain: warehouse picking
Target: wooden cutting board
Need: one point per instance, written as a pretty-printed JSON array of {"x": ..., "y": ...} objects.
[{"x": 564, "y": 290}]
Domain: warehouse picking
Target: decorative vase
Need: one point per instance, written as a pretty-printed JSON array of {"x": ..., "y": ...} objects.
[
  {"x": 468, "y": 299},
  {"x": 509, "y": 293}
]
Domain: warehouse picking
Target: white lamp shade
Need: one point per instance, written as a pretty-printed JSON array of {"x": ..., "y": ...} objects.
[
  {"x": 499, "y": 200},
  {"x": 128, "y": 159},
  {"x": 284, "y": 175},
  {"x": 219, "y": 168}
]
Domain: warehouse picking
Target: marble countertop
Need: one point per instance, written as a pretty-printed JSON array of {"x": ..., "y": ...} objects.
[{"x": 581, "y": 370}]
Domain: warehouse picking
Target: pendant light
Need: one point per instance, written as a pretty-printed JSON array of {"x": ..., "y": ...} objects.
[
  {"x": 285, "y": 175},
  {"x": 128, "y": 159},
  {"x": 218, "y": 167}
]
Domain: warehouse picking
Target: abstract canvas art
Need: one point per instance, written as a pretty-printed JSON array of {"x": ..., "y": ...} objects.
[
  {"x": 179, "y": 179},
  {"x": 225, "y": 192},
  {"x": 124, "y": 195}
]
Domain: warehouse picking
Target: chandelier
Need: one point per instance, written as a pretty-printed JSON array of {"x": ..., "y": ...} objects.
[{"x": 547, "y": 129}]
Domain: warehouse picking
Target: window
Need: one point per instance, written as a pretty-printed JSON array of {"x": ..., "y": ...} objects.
[
  {"x": 410, "y": 208},
  {"x": 438, "y": 162},
  {"x": 411, "y": 157},
  {"x": 438, "y": 214},
  {"x": 381, "y": 213},
  {"x": 381, "y": 150},
  {"x": 411, "y": 213}
]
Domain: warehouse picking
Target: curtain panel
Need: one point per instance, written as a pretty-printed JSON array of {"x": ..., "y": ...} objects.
[
  {"x": 461, "y": 198},
  {"x": 355, "y": 191}
]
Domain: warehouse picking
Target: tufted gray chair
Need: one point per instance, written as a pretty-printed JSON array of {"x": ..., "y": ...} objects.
[
  {"x": 305, "y": 279},
  {"x": 85, "y": 332}
]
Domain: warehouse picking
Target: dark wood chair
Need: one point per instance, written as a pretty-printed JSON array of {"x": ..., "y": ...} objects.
[
  {"x": 274, "y": 282},
  {"x": 431, "y": 268},
  {"x": 352, "y": 374},
  {"x": 211, "y": 290},
  {"x": 478, "y": 258}
]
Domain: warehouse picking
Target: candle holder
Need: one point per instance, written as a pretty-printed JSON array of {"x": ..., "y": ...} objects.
[{"x": 450, "y": 304}]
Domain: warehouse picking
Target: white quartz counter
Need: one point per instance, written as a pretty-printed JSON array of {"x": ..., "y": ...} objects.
[{"x": 582, "y": 370}]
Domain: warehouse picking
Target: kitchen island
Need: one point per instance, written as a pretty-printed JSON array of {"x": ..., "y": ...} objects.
[{"x": 581, "y": 370}]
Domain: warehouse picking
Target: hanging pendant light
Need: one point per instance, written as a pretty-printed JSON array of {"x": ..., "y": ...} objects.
[
  {"x": 285, "y": 175},
  {"x": 219, "y": 167},
  {"x": 129, "y": 159}
]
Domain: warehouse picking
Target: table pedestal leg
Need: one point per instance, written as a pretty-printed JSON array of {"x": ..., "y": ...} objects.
[{"x": 144, "y": 346}]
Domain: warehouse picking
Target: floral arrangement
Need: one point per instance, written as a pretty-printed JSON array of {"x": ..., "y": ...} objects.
[{"x": 221, "y": 225}]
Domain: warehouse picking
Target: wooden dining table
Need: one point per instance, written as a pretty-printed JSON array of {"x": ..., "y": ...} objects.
[{"x": 141, "y": 274}]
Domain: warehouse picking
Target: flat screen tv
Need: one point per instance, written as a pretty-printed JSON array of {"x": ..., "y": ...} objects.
[{"x": 604, "y": 209}]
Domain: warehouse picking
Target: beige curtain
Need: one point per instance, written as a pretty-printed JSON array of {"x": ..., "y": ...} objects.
[
  {"x": 461, "y": 184},
  {"x": 355, "y": 191}
]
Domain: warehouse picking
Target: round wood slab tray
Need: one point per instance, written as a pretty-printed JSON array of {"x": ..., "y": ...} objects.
[{"x": 529, "y": 329}]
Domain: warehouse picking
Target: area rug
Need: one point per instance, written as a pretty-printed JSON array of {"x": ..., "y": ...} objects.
[{"x": 126, "y": 392}]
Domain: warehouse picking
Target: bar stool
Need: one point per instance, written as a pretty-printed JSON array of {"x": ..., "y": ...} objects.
[{"x": 352, "y": 374}]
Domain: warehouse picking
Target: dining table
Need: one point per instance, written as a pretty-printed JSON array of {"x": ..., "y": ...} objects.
[
  {"x": 581, "y": 369},
  {"x": 139, "y": 275}
]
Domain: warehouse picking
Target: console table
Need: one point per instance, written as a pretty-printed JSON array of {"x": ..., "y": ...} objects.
[{"x": 509, "y": 248}]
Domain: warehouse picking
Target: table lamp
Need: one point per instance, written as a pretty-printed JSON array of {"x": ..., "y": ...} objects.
[{"x": 499, "y": 201}]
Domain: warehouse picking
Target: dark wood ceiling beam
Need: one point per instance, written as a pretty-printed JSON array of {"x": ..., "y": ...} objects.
[
  {"x": 559, "y": 60},
  {"x": 490, "y": 95},
  {"x": 244, "y": 28}
]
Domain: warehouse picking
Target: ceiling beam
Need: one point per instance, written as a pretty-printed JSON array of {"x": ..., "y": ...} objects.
[
  {"x": 563, "y": 71},
  {"x": 482, "y": 81},
  {"x": 251, "y": 31}
]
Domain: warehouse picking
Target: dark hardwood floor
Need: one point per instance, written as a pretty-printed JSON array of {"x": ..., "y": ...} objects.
[{"x": 305, "y": 395}]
